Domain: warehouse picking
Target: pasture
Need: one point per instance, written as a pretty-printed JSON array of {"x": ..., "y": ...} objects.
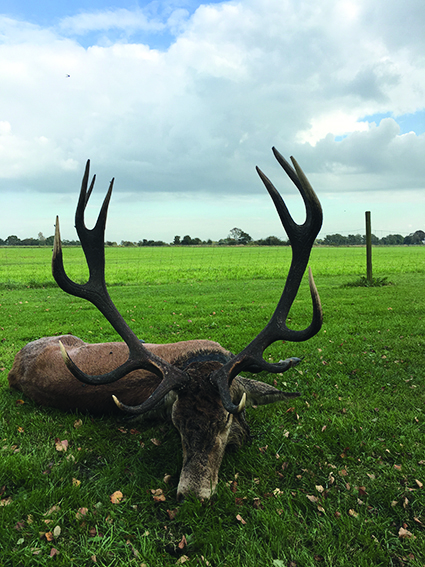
[{"x": 336, "y": 478}]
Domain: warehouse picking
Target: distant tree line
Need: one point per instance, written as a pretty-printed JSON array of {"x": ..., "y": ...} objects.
[
  {"x": 417, "y": 237},
  {"x": 236, "y": 237}
]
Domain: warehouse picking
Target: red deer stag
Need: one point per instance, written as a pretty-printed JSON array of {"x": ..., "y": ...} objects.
[{"x": 195, "y": 382}]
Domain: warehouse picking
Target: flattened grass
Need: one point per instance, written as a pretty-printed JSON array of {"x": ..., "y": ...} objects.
[{"x": 331, "y": 479}]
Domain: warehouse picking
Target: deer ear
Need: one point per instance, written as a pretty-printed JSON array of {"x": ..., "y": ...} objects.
[{"x": 258, "y": 393}]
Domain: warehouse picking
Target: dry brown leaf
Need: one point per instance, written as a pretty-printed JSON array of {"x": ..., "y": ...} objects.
[
  {"x": 78, "y": 423},
  {"x": 61, "y": 445},
  {"x": 76, "y": 482},
  {"x": 394, "y": 503},
  {"x": 53, "y": 510},
  {"x": 48, "y": 536},
  {"x": 156, "y": 442},
  {"x": 167, "y": 478},
  {"x": 397, "y": 467},
  {"x": 405, "y": 503},
  {"x": 319, "y": 488},
  {"x": 94, "y": 558},
  {"x": 172, "y": 513},
  {"x": 19, "y": 402},
  {"x": 182, "y": 543},
  {"x": 53, "y": 552},
  {"x": 312, "y": 498},
  {"x": 240, "y": 519},
  {"x": 160, "y": 498},
  {"x": 419, "y": 483},
  {"x": 371, "y": 476},
  {"x": 337, "y": 514},
  {"x": 182, "y": 559},
  {"x": 353, "y": 513},
  {"x": 81, "y": 512},
  {"x": 116, "y": 497},
  {"x": 320, "y": 508},
  {"x": 405, "y": 534},
  {"x": 343, "y": 472}
]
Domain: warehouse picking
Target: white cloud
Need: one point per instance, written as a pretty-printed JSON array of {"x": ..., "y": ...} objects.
[{"x": 198, "y": 115}]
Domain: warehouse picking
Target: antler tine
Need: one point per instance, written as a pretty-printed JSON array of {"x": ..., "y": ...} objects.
[
  {"x": 94, "y": 290},
  {"x": 301, "y": 238}
]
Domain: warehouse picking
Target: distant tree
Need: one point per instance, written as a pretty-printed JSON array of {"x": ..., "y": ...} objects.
[
  {"x": 110, "y": 243},
  {"x": 30, "y": 242},
  {"x": 127, "y": 243},
  {"x": 271, "y": 241},
  {"x": 41, "y": 238},
  {"x": 49, "y": 240},
  {"x": 12, "y": 240},
  {"x": 239, "y": 236},
  {"x": 176, "y": 241},
  {"x": 186, "y": 240},
  {"x": 417, "y": 237},
  {"x": 355, "y": 239},
  {"x": 392, "y": 240},
  {"x": 334, "y": 240}
]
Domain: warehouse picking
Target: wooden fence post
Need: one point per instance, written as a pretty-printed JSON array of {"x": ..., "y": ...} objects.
[{"x": 368, "y": 248}]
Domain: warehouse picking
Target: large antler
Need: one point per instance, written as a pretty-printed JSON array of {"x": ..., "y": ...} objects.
[
  {"x": 94, "y": 290},
  {"x": 301, "y": 238}
]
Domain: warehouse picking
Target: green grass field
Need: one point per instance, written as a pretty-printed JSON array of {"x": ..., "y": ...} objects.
[{"x": 336, "y": 478}]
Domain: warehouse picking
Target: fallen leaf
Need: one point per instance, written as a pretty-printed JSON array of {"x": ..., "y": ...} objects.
[
  {"x": 53, "y": 510},
  {"x": 182, "y": 543},
  {"x": 53, "y": 552},
  {"x": 94, "y": 558},
  {"x": 240, "y": 519},
  {"x": 419, "y": 483},
  {"x": 405, "y": 534},
  {"x": 394, "y": 503},
  {"x": 397, "y": 467},
  {"x": 156, "y": 442},
  {"x": 320, "y": 508},
  {"x": 337, "y": 514},
  {"x": 116, "y": 497},
  {"x": 19, "y": 402},
  {"x": 61, "y": 445},
  {"x": 167, "y": 479},
  {"x": 312, "y": 498},
  {"x": 371, "y": 476},
  {"x": 319, "y": 488},
  {"x": 21, "y": 430},
  {"x": 81, "y": 512},
  {"x": 48, "y": 536},
  {"x": 343, "y": 472},
  {"x": 78, "y": 423},
  {"x": 182, "y": 559},
  {"x": 353, "y": 513},
  {"x": 76, "y": 482},
  {"x": 57, "y": 531},
  {"x": 172, "y": 513}
]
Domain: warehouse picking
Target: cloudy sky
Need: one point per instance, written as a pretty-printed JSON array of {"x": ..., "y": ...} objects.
[{"x": 179, "y": 101}]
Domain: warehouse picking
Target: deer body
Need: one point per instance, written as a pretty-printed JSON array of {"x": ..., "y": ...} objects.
[
  {"x": 196, "y": 383},
  {"x": 39, "y": 372}
]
